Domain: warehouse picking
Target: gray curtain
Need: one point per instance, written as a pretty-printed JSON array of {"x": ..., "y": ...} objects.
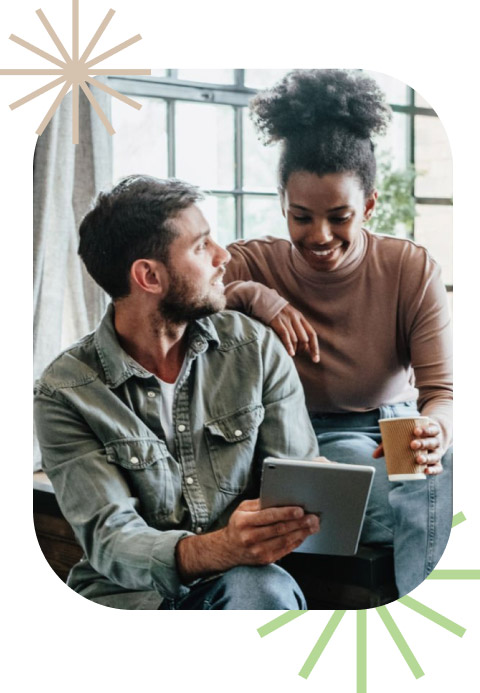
[{"x": 66, "y": 178}]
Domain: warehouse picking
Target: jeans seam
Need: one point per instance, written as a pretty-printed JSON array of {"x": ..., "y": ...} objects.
[{"x": 431, "y": 526}]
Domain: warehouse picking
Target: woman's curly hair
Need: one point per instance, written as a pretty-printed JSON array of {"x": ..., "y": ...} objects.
[{"x": 325, "y": 120}]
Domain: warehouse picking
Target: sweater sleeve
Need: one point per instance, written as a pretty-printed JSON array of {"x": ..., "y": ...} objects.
[
  {"x": 430, "y": 342},
  {"x": 247, "y": 296}
]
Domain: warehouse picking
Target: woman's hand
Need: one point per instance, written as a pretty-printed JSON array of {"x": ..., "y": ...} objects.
[
  {"x": 296, "y": 333},
  {"x": 427, "y": 443}
]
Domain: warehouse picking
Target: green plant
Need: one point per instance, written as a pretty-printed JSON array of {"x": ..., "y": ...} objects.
[{"x": 395, "y": 210}]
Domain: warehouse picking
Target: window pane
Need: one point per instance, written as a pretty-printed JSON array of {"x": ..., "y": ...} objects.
[
  {"x": 420, "y": 101},
  {"x": 395, "y": 142},
  {"x": 205, "y": 145},
  {"x": 259, "y": 162},
  {"x": 394, "y": 89},
  {"x": 219, "y": 211},
  {"x": 450, "y": 304},
  {"x": 213, "y": 76},
  {"x": 159, "y": 73},
  {"x": 262, "y": 216},
  {"x": 261, "y": 79},
  {"x": 140, "y": 141},
  {"x": 433, "y": 229},
  {"x": 433, "y": 158}
]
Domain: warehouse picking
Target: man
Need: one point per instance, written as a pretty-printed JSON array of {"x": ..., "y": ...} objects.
[{"x": 153, "y": 428}]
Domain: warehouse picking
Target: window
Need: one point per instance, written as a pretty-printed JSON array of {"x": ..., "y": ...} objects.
[{"x": 195, "y": 125}]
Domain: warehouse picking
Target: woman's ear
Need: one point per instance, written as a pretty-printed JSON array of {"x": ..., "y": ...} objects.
[
  {"x": 149, "y": 275},
  {"x": 370, "y": 203}
]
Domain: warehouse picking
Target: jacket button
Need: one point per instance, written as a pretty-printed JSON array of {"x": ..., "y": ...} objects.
[
  {"x": 181, "y": 428},
  {"x": 134, "y": 460},
  {"x": 151, "y": 394},
  {"x": 238, "y": 433},
  {"x": 189, "y": 480}
]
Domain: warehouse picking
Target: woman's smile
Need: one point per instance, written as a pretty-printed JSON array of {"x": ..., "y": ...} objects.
[{"x": 323, "y": 257}]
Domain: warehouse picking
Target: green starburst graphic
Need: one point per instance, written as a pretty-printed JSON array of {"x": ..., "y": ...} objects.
[{"x": 388, "y": 621}]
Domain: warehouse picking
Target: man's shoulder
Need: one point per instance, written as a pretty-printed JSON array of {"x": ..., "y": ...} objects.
[
  {"x": 235, "y": 329},
  {"x": 77, "y": 365}
]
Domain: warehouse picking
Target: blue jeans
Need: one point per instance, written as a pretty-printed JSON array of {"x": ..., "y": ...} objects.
[
  {"x": 244, "y": 587},
  {"x": 415, "y": 516}
]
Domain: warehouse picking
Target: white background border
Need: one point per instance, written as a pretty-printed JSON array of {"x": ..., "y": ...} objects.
[{"x": 57, "y": 641}]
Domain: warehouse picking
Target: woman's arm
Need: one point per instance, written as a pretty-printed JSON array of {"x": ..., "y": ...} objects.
[
  {"x": 264, "y": 303},
  {"x": 425, "y": 315},
  {"x": 247, "y": 296},
  {"x": 430, "y": 342}
]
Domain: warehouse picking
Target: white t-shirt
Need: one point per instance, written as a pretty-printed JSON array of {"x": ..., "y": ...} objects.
[{"x": 167, "y": 396}]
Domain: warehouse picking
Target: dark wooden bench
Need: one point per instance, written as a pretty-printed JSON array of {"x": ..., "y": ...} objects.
[
  {"x": 54, "y": 534},
  {"x": 363, "y": 581},
  {"x": 329, "y": 582}
]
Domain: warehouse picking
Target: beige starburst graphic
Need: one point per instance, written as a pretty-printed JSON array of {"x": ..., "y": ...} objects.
[{"x": 75, "y": 71}]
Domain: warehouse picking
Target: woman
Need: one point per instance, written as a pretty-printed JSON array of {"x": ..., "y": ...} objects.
[{"x": 376, "y": 303}]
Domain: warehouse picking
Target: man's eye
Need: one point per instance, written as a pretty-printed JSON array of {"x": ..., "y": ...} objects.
[
  {"x": 301, "y": 220},
  {"x": 340, "y": 220}
]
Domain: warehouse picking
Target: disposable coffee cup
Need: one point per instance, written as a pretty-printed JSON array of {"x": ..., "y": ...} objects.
[{"x": 397, "y": 434}]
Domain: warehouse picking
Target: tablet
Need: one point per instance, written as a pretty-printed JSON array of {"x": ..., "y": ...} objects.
[{"x": 338, "y": 493}]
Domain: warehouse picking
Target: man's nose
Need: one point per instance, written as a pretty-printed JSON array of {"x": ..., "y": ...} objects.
[{"x": 221, "y": 257}]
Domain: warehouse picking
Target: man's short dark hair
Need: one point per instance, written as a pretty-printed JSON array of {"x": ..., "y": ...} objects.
[{"x": 133, "y": 220}]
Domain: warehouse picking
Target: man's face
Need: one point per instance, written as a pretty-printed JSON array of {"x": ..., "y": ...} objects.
[{"x": 196, "y": 266}]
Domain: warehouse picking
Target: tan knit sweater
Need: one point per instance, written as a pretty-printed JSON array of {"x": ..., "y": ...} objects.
[{"x": 382, "y": 320}]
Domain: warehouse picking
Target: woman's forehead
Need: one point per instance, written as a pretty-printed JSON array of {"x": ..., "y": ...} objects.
[{"x": 331, "y": 190}]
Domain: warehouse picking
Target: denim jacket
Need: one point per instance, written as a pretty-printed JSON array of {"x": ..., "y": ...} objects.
[{"x": 127, "y": 498}]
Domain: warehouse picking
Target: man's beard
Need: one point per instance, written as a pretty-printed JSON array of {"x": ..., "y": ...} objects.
[{"x": 182, "y": 303}]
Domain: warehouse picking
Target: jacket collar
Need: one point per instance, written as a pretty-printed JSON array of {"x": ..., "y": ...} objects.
[{"x": 119, "y": 366}]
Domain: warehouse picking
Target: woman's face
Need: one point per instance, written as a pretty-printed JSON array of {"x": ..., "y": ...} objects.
[{"x": 324, "y": 215}]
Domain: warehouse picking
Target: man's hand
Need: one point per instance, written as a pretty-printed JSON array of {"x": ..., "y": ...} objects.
[
  {"x": 252, "y": 537},
  {"x": 259, "y": 537},
  {"x": 426, "y": 441},
  {"x": 296, "y": 332}
]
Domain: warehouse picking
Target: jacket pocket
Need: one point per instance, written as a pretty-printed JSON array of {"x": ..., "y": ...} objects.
[
  {"x": 149, "y": 471},
  {"x": 231, "y": 443}
]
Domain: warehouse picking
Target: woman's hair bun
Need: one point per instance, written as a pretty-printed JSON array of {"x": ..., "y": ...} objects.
[{"x": 309, "y": 99}]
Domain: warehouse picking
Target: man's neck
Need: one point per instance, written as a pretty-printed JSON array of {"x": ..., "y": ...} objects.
[{"x": 156, "y": 344}]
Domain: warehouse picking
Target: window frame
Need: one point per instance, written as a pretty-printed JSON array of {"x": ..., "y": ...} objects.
[{"x": 172, "y": 89}]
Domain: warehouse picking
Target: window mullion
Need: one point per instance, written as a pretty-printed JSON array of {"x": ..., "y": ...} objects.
[
  {"x": 239, "y": 78},
  {"x": 411, "y": 144},
  {"x": 238, "y": 162},
  {"x": 171, "y": 138}
]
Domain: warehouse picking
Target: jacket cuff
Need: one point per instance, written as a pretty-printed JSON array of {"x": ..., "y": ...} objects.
[{"x": 164, "y": 565}]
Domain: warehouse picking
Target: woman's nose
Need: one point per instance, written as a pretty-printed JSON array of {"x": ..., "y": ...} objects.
[{"x": 322, "y": 233}]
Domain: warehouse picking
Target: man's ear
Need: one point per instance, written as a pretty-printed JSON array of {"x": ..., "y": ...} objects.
[
  {"x": 149, "y": 275},
  {"x": 370, "y": 203}
]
